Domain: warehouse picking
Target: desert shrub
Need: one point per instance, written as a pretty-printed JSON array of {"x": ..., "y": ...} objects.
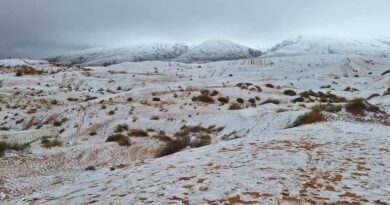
[
  {"x": 387, "y": 92},
  {"x": 214, "y": 93},
  {"x": 92, "y": 133},
  {"x": 274, "y": 101},
  {"x": 18, "y": 73},
  {"x": 5, "y": 146},
  {"x": 170, "y": 147},
  {"x": 203, "y": 98},
  {"x": 268, "y": 85},
  {"x": 298, "y": 99},
  {"x": 4, "y": 128},
  {"x": 162, "y": 136},
  {"x": 154, "y": 118},
  {"x": 121, "y": 128},
  {"x": 327, "y": 108},
  {"x": 234, "y": 106},
  {"x": 72, "y": 99},
  {"x": 156, "y": 99},
  {"x": 373, "y": 96},
  {"x": 111, "y": 112},
  {"x": 325, "y": 86},
  {"x": 47, "y": 142},
  {"x": 223, "y": 100},
  {"x": 88, "y": 98},
  {"x": 289, "y": 92},
  {"x": 386, "y": 72},
  {"x": 359, "y": 106},
  {"x": 311, "y": 117},
  {"x": 347, "y": 89},
  {"x": 137, "y": 133},
  {"x": 122, "y": 140},
  {"x": 252, "y": 101},
  {"x": 188, "y": 136},
  {"x": 240, "y": 100},
  {"x": 129, "y": 99},
  {"x": 90, "y": 168}
]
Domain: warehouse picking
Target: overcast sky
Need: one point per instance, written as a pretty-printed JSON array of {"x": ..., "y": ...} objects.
[{"x": 40, "y": 28}]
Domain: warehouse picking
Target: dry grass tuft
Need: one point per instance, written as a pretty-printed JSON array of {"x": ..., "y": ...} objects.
[{"x": 137, "y": 133}]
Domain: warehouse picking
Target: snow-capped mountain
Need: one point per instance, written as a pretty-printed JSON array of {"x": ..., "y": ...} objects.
[
  {"x": 109, "y": 56},
  {"x": 212, "y": 50},
  {"x": 317, "y": 45},
  {"x": 216, "y": 50}
]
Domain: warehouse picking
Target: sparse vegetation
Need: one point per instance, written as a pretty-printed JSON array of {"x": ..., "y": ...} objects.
[
  {"x": 359, "y": 106},
  {"x": 203, "y": 98},
  {"x": 122, "y": 140},
  {"x": 223, "y": 100},
  {"x": 234, "y": 106},
  {"x": 273, "y": 101},
  {"x": 289, "y": 92},
  {"x": 48, "y": 142},
  {"x": 137, "y": 133},
  {"x": 121, "y": 128},
  {"x": 5, "y": 146},
  {"x": 192, "y": 136}
]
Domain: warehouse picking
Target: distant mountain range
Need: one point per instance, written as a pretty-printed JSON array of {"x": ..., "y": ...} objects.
[
  {"x": 212, "y": 50},
  {"x": 218, "y": 50},
  {"x": 315, "y": 45}
]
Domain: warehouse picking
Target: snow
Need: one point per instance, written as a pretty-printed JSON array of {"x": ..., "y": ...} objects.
[
  {"x": 344, "y": 159},
  {"x": 303, "y": 45},
  {"x": 216, "y": 50},
  {"x": 212, "y": 50}
]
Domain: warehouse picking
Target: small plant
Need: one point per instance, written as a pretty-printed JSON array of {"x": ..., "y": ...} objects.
[
  {"x": 240, "y": 100},
  {"x": 223, "y": 100},
  {"x": 274, "y": 101},
  {"x": 268, "y": 85},
  {"x": 156, "y": 99},
  {"x": 72, "y": 99},
  {"x": 214, "y": 93},
  {"x": 289, "y": 92},
  {"x": 359, "y": 106},
  {"x": 203, "y": 98},
  {"x": 235, "y": 106},
  {"x": 5, "y": 146},
  {"x": 122, "y": 140},
  {"x": 90, "y": 168},
  {"x": 311, "y": 117},
  {"x": 154, "y": 118},
  {"x": 252, "y": 101},
  {"x": 373, "y": 96},
  {"x": 137, "y": 133},
  {"x": 47, "y": 142},
  {"x": 298, "y": 99},
  {"x": 89, "y": 98},
  {"x": 92, "y": 133},
  {"x": 121, "y": 128}
]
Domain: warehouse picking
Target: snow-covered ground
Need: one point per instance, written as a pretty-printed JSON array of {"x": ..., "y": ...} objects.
[{"x": 254, "y": 157}]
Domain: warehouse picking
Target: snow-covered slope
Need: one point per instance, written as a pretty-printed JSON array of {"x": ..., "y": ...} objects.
[
  {"x": 216, "y": 50},
  {"x": 316, "y": 45},
  {"x": 109, "y": 56},
  {"x": 212, "y": 50},
  {"x": 332, "y": 163}
]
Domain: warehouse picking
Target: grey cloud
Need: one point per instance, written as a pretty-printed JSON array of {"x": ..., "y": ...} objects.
[{"x": 39, "y": 28}]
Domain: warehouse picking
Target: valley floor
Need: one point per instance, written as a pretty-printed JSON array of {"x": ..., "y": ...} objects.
[{"x": 246, "y": 137}]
